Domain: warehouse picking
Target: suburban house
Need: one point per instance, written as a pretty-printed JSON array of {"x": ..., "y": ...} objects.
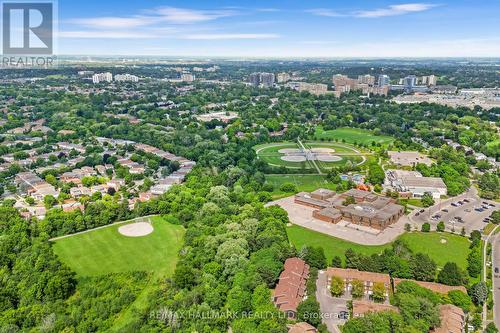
[
  {"x": 367, "y": 278},
  {"x": 360, "y": 308},
  {"x": 433, "y": 286},
  {"x": 452, "y": 319},
  {"x": 291, "y": 287},
  {"x": 302, "y": 327}
]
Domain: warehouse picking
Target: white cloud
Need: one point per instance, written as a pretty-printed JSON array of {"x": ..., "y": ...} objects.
[
  {"x": 323, "y": 12},
  {"x": 186, "y": 16},
  {"x": 319, "y": 42},
  {"x": 222, "y": 36},
  {"x": 115, "y": 22},
  {"x": 394, "y": 10},
  {"x": 105, "y": 34},
  {"x": 268, "y": 10},
  {"x": 159, "y": 15}
]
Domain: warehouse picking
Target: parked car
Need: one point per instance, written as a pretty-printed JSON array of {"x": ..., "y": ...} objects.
[
  {"x": 421, "y": 211},
  {"x": 466, "y": 200},
  {"x": 445, "y": 210},
  {"x": 454, "y": 204}
]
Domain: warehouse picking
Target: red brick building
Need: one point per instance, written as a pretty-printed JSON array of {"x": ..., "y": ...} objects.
[{"x": 291, "y": 287}]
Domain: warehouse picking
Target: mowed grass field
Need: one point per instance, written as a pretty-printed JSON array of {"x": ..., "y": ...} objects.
[
  {"x": 105, "y": 250},
  {"x": 306, "y": 183},
  {"x": 270, "y": 154},
  {"x": 352, "y": 135},
  {"x": 455, "y": 249}
]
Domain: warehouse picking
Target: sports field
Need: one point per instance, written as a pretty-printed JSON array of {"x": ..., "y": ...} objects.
[
  {"x": 341, "y": 153},
  {"x": 441, "y": 247},
  {"x": 105, "y": 250},
  {"x": 352, "y": 135}
]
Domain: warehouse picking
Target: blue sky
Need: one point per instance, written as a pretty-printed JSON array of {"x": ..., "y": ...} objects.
[{"x": 375, "y": 28}]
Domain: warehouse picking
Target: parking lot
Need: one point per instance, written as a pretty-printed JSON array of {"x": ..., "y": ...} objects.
[
  {"x": 334, "y": 310},
  {"x": 471, "y": 213}
]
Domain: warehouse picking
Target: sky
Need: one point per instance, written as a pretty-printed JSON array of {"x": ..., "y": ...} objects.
[{"x": 280, "y": 29}]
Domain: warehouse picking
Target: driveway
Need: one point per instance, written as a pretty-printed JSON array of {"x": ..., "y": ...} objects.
[{"x": 330, "y": 307}]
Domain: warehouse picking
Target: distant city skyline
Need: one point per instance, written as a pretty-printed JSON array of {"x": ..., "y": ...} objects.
[{"x": 277, "y": 29}]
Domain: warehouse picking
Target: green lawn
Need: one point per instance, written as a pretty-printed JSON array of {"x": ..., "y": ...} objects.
[
  {"x": 352, "y": 135},
  {"x": 455, "y": 249},
  {"x": 270, "y": 154},
  {"x": 306, "y": 183},
  {"x": 413, "y": 202},
  {"x": 107, "y": 251}
]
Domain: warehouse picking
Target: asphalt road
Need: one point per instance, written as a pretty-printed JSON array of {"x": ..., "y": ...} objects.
[{"x": 496, "y": 278}]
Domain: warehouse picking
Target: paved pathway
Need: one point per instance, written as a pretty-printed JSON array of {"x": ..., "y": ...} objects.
[
  {"x": 495, "y": 262},
  {"x": 304, "y": 149}
]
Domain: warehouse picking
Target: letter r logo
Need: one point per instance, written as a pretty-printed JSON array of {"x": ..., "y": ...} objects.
[{"x": 27, "y": 28}]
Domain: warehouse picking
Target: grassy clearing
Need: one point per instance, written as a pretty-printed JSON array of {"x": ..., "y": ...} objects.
[
  {"x": 107, "y": 251},
  {"x": 352, "y": 135},
  {"x": 300, "y": 236},
  {"x": 440, "y": 246},
  {"x": 307, "y": 183},
  {"x": 454, "y": 247},
  {"x": 413, "y": 202}
]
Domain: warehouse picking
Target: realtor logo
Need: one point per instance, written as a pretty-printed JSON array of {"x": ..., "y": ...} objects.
[{"x": 27, "y": 28}]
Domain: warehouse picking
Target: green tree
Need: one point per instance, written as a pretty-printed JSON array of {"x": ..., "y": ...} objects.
[
  {"x": 314, "y": 256},
  {"x": 460, "y": 299},
  {"x": 426, "y": 227},
  {"x": 423, "y": 267},
  {"x": 337, "y": 286},
  {"x": 451, "y": 275},
  {"x": 30, "y": 201},
  {"x": 376, "y": 174},
  {"x": 440, "y": 226},
  {"x": 49, "y": 201},
  {"x": 475, "y": 238},
  {"x": 309, "y": 311},
  {"x": 336, "y": 261},
  {"x": 479, "y": 293},
  {"x": 474, "y": 262},
  {"x": 288, "y": 187},
  {"x": 427, "y": 199},
  {"x": 378, "y": 292},
  {"x": 349, "y": 201},
  {"x": 357, "y": 289},
  {"x": 351, "y": 259},
  {"x": 491, "y": 328}
]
